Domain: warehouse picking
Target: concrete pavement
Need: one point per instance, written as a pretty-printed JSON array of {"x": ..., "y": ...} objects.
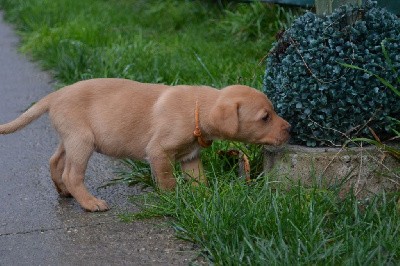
[{"x": 39, "y": 228}]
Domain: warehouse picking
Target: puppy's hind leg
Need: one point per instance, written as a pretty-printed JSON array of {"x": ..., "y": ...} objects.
[
  {"x": 57, "y": 164},
  {"x": 77, "y": 154}
]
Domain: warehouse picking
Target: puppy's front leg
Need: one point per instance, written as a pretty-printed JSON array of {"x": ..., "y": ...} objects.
[
  {"x": 194, "y": 169},
  {"x": 162, "y": 170}
]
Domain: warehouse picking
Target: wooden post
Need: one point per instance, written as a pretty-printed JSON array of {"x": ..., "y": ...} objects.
[{"x": 325, "y": 7}]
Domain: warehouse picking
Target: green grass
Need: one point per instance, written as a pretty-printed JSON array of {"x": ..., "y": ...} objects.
[
  {"x": 172, "y": 42},
  {"x": 267, "y": 223},
  {"x": 262, "y": 224},
  {"x": 197, "y": 42}
]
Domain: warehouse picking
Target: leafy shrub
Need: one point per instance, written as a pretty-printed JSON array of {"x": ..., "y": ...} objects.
[
  {"x": 395, "y": 149},
  {"x": 325, "y": 102}
]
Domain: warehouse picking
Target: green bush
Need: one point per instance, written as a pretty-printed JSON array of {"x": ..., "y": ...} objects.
[{"x": 325, "y": 102}]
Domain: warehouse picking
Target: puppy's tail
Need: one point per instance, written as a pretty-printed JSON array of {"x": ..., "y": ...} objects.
[{"x": 33, "y": 113}]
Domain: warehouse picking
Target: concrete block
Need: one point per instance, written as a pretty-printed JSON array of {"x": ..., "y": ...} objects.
[{"x": 367, "y": 170}]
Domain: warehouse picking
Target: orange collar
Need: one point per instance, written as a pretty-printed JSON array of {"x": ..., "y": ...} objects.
[{"x": 197, "y": 132}]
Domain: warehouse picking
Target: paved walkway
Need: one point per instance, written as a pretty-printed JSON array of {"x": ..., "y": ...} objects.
[{"x": 39, "y": 228}]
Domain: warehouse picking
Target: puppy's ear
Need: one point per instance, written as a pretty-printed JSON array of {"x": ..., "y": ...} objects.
[{"x": 225, "y": 117}]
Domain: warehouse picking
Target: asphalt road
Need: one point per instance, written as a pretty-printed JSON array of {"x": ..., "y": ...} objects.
[{"x": 39, "y": 228}]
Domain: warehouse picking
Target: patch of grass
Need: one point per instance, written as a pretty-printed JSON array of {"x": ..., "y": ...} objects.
[
  {"x": 216, "y": 163},
  {"x": 139, "y": 173},
  {"x": 172, "y": 42},
  {"x": 260, "y": 224},
  {"x": 255, "y": 22},
  {"x": 265, "y": 223}
]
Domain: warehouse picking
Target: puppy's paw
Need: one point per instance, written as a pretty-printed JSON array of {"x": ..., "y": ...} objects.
[{"x": 95, "y": 205}]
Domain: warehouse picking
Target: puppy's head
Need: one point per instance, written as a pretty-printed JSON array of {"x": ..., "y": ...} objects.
[{"x": 244, "y": 114}]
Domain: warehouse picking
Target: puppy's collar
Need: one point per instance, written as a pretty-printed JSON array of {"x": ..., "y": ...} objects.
[{"x": 197, "y": 132}]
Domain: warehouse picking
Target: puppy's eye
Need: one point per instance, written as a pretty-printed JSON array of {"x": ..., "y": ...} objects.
[{"x": 265, "y": 118}]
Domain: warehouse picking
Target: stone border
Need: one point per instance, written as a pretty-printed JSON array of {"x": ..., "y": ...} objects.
[{"x": 367, "y": 170}]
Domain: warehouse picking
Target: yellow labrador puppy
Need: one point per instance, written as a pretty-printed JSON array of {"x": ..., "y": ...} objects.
[{"x": 153, "y": 122}]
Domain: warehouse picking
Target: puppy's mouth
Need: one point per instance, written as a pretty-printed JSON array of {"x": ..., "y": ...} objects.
[
  {"x": 276, "y": 141},
  {"x": 280, "y": 142}
]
